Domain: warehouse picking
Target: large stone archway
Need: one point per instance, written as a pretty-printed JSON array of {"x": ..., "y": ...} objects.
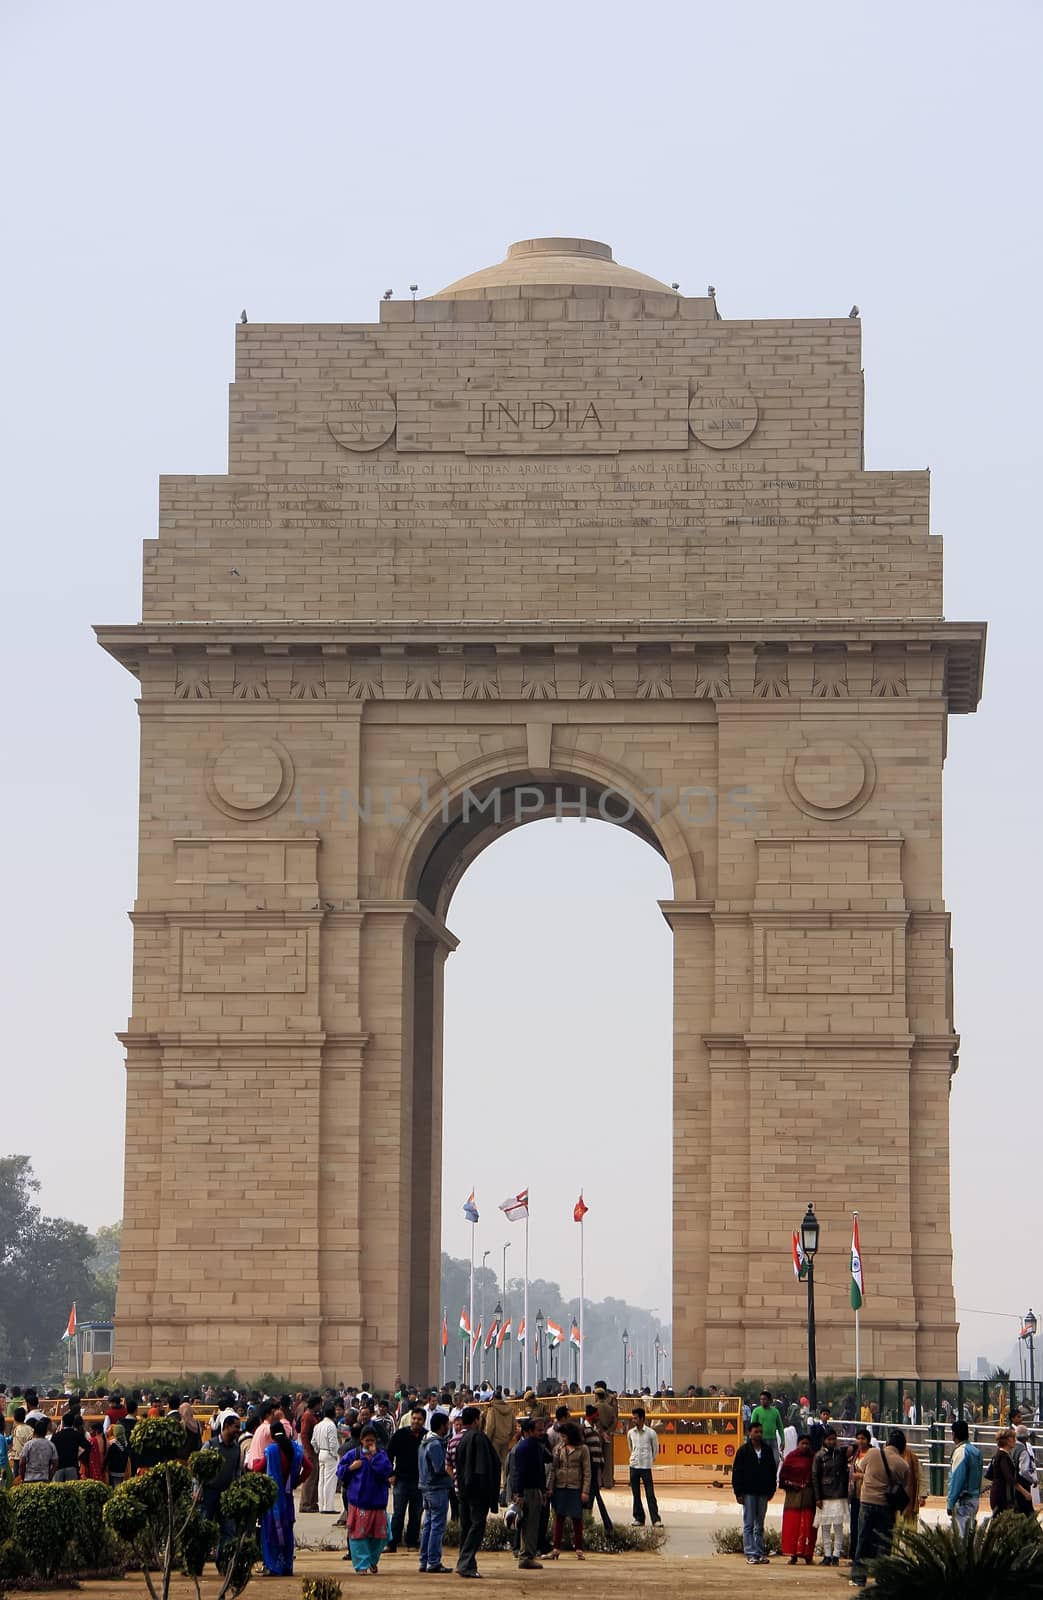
[{"x": 556, "y": 533}]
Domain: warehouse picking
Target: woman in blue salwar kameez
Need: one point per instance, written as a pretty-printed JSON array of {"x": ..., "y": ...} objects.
[{"x": 284, "y": 1463}]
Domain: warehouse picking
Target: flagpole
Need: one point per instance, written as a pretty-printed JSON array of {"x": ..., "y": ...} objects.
[
  {"x": 444, "y": 1342},
  {"x": 470, "y": 1312},
  {"x": 580, "y": 1360},
  {"x": 525, "y": 1313}
]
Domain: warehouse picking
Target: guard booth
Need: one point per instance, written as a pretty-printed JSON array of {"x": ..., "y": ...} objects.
[
  {"x": 698, "y": 1435},
  {"x": 89, "y": 1350}
]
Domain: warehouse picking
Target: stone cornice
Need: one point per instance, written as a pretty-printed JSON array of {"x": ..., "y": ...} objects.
[{"x": 751, "y": 662}]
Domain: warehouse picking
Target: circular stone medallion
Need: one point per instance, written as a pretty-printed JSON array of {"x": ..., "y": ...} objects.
[
  {"x": 830, "y": 778},
  {"x": 249, "y": 779},
  {"x": 722, "y": 418},
  {"x": 361, "y": 421}
]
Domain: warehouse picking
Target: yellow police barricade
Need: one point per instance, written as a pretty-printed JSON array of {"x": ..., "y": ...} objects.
[{"x": 698, "y": 1435}]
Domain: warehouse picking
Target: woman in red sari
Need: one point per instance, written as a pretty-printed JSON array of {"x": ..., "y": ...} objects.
[{"x": 798, "y": 1513}]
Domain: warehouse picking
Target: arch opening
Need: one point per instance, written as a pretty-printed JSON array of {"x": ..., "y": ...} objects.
[
  {"x": 466, "y": 822},
  {"x": 556, "y": 1014}
]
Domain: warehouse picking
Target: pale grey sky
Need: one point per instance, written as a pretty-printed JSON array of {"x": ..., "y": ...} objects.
[{"x": 167, "y": 165}]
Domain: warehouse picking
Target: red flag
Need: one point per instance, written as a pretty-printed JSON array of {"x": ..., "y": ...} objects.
[
  {"x": 491, "y": 1335},
  {"x": 445, "y": 1332},
  {"x": 579, "y": 1210}
]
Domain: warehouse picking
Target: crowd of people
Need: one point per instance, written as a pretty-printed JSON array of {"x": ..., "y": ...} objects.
[
  {"x": 392, "y": 1476},
  {"x": 393, "y": 1473},
  {"x": 846, "y": 1480}
]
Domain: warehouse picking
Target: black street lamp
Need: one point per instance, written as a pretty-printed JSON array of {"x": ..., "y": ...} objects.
[
  {"x": 539, "y": 1345},
  {"x": 1030, "y": 1326},
  {"x": 497, "y": 1318},
  {"x": 809, "y": 1231},
  {"x": 626, "y": 1341}
]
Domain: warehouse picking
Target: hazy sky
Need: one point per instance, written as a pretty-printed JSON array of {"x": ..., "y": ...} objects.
[{"x": 167, "y": 165}]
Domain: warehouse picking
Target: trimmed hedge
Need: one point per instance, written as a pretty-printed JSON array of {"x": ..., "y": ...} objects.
[{"x": 46, "y": 1520}]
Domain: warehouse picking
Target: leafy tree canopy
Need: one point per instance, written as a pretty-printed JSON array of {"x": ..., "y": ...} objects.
[{"x": 45, "y": 1264}]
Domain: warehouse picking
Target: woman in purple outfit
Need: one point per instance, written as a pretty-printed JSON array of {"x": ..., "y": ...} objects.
[{"x": 367, "y": 1471}]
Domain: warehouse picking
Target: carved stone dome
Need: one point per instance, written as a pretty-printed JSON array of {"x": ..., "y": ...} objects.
[{"x": 532, "y": 263}]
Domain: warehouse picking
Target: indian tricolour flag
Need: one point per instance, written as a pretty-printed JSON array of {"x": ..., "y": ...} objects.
[
  {"x": 465, "y": 1324},
  {"x": 858, "y": 1285}
]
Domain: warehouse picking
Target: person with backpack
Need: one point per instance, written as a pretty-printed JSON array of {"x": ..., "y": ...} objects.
[{"x": 885, "y": 1492}]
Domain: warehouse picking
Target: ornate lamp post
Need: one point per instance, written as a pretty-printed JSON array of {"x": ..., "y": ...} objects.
[
  {"x": 626, "y": 1341},
  {"x": 1030, "y": 1325},
  {"x": 539, "y": 1345},
  {"x": 809, "y": 1231}
]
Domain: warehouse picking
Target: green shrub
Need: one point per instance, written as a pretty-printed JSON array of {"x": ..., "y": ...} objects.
[
  {"x": 13, "y": 1562},
  {"x": 496, "y": 1535},
  {"x": 197, "y": 1543},
  {"x": 596, "y": 1540},
  {"x": 623, "y": 1537},
  {"x": 90, "y": 1545},
  {"x": 156, "y": 1439},
  {"x": 246, "y": 1500},
  {"x": 46, "y": 1519},
  {"x": 320, "y": 1589},
  {"x": 6, "y": 1516},
  {"x": 728, "y": 1541},
  {"x": 204, "y": 1466},
  {"x": 1000, "y": 1560}
]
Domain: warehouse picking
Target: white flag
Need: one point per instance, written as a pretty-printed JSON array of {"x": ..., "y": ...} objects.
[{"x": 516, "y": 1209}]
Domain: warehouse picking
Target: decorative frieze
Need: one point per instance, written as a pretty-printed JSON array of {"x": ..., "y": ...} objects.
[{"x": 617, "y": 671}]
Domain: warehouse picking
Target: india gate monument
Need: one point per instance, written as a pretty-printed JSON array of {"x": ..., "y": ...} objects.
[{"x": 556, "y": 539}]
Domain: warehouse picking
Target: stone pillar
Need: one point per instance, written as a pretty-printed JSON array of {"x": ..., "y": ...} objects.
[
  {"x": 693, "y": 999},
  {"x": 399, "y": 1207}
]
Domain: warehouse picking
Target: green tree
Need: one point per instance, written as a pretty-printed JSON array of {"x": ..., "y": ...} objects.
[
  {"x": 45, "y": 1264},
  {"x": 105, "y": 1268},
  {"x": 159, "y": 1512}
]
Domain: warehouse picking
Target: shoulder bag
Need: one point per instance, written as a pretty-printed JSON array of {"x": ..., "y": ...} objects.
[{"x": 897, "y": 1495}]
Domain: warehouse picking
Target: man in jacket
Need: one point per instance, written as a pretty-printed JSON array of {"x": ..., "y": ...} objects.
[
  {"x": 884, "y": 1466},
  {"x": 964, "y": 1479},
  {"x": 404, "y": 1451},
  {"x": 829, "y": 1477},
  {"x": 754, "y": 1480},
  {"x": 478, "y": 1488},
  {"x": 498, "y": 1424},
  {"x": 529, "y": 1490},
  {"x": 434, "y": 1489}
]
